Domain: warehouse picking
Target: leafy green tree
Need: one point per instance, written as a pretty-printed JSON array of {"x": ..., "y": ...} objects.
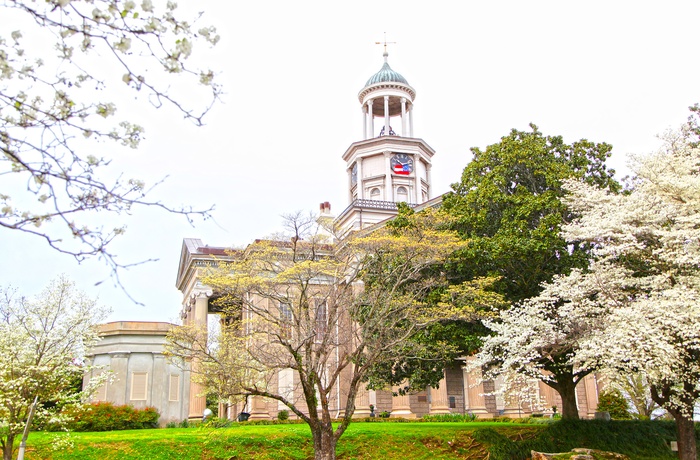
[{"x": 508, "y": 206}]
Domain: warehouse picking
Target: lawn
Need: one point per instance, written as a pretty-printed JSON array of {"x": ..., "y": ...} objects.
[{"x": 387, "y": 441}]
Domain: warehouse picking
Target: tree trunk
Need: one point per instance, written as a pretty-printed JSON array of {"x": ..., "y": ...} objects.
[
  {"x": 567, "y": 391},
  {"x": 685, "y": 427},
  {"x": 324, "y": 442},
  {"x": 7, "y": 448}
]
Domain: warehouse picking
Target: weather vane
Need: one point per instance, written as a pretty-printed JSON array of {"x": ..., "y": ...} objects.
[{"x": 385, "y": 43}]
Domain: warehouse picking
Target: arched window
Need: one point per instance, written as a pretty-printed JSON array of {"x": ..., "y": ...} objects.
[
  {"x": 401, "y": 194},
  {"x": 374, "y": 194}
]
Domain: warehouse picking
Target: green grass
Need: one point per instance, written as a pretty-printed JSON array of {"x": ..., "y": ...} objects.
[{"x": 388, "y": 441}]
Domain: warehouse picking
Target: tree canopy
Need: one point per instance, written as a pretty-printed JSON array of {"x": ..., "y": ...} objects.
[
  {"x": 646, "y": 245},
  {"x": 62, "y": 70},
  {"x": 508, "y": 205}
]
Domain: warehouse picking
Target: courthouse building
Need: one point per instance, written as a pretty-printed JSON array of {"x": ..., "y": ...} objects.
[{"x": 390, "y": 164}]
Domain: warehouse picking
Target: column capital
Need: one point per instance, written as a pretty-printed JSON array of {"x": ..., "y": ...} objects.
[{"x": 201, "y": 291}]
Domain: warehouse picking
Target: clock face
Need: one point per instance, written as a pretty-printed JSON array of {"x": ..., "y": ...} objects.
[
  {"x": 354, "y": 173},
  {"x": 402, "y": 164}
]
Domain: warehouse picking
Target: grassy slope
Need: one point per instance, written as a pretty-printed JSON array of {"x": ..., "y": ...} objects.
[{"x": 389, "y": 441}]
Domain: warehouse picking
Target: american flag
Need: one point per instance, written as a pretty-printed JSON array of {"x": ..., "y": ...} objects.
[{"x": 402, "y": 169}]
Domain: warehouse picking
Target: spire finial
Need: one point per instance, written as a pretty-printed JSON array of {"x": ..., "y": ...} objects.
[{"x": 386, "y": 53}]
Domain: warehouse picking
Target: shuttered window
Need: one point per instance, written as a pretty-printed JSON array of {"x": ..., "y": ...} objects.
[
  {"x": 174, "y": 389},
  {"x": 139, "y": 386},
  {"x": 101, "y": 393}
]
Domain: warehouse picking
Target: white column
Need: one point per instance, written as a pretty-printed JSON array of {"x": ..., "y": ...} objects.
[
  {"x": 403, "y": 117},
  {"x": 360, "y": 182},
  {"x": 361, "y": 402},
  {"x": 201, "y": 307},
  {"x": 258, "y": 409},
  {"x": 439, "y": 403},
  {"x": 364, "y": 121},
  {"x": 547, "y": 397},
  {"x": 591, "y": 387},
  {"x": 475, "y": 391},
  {"x": 428, "y": 178},
  {"x": 410, "y": 119},
  {"x": 401, "y": 405},
  {"x": 513, "y": 404},
  {"x": 370, "y": 117},
  {"x": 386, "y": 115},
  {"x": 416, "y": 181},
  {"x": 388, "y": 186},
  {"x": 198, "y": 401}
]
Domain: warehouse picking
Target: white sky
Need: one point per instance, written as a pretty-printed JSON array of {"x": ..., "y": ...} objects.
[{"x": 619, "y": 72}]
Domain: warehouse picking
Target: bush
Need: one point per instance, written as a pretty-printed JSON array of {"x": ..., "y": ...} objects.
[
  {"x": 613, "y": 402},
  {"x": 283, "y": 415},
  {"x": 105, "y": 416},
  {"x": 468, "y": 417}
]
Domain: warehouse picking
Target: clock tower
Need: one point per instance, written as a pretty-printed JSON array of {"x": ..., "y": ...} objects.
[{"x": 389, "y": 165}]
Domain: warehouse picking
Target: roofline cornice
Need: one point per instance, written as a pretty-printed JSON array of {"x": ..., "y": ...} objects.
[
  {"x": 390, "y": 141},
  {"x": 386, "y": 85}
]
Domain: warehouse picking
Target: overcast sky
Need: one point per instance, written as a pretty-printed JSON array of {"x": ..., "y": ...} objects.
[{"x": 619, "y": 72}]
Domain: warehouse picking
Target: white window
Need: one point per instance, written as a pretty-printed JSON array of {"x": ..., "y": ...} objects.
[
  {"x": 321, "y": 319},
  {"x": 139, "y": 386},
  {"x": 375, "y": 194},
  {"x": 286, "y": 318},
  {"x": 174, "y": 388},
  {"x": 401, "y": 194},
  {"x": 285, "y": 387}
]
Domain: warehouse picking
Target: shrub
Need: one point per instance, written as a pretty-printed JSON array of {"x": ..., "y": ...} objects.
[
  {"x": 468, "y": 417},
  {"x": 105, "y": 416},
  {"x": 283, "y": 415},
  {"x": 613, "y": 402},
  {"x": 384, "y": 414}
]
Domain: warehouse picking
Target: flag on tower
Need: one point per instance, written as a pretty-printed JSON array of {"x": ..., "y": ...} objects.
[{"x": 402, "y": 169}]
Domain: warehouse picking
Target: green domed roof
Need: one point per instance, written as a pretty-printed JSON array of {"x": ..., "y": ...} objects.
[{"x": 386, "y": 74}]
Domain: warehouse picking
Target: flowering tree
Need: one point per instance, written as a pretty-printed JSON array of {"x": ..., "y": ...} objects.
[
  {"x": 57, "y": 60},
  {"x": 642, "y": 287},
  {"x": 42, "y": 342},
  {"x": 541, "y": 338},
  {"x": 329, "y": 313},
  {"x": 650, "y": 240}
]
